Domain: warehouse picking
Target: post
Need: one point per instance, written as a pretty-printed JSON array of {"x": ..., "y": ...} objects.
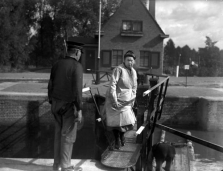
[
  {"x": 177, "y": 71},
  {"x": 190, "y": 148},
  {"x": 162, "y": 136},
  {"x": 99, "y": 44},
  {"x": 178, "y": 66}
]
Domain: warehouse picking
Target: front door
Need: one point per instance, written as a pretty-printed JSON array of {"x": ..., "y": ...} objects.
[{"x": 90, "y": 61}]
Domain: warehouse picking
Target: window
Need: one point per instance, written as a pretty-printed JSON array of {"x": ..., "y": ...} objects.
[
  {"x": 137, "y": 26},
  {"x": 149, "y": 59},
  {"x": 106, "y": 58},
  {"x": 111, "y": 58},
  {"x": 144, "y": 59},
  {"x": 126, "y": 26},
  {"x": 131, "y": 26},
  {"x": 117, "y": 57}
]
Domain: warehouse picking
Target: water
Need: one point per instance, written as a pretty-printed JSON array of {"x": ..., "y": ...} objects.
[{"x": 206, "y": 159}]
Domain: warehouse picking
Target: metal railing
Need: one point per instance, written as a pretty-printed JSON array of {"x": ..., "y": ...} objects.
[
  {"x": 190, "y": 137},
  {"x": 156, "y": 95},
  {"x": 153, "y": 114}
]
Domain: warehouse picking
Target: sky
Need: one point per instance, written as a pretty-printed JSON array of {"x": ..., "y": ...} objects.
[{"x": 188, "y": 22}]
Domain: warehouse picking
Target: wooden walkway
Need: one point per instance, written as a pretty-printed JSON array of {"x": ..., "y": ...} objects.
[{"x": 126, "y": 157}]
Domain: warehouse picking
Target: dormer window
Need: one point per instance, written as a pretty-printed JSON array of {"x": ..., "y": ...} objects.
[{"x": 131, "y": 28}]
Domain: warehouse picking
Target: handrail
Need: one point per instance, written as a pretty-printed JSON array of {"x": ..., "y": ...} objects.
[
  {"x": 156, "y": 98},
  {"x": 153, "y": 114},
  {"x": 97, "y": 108},
  {"x": 157, "y": 75},
  {"x": 192, "y": 138},
  {"x": 106, "y": 73},
  {"x": 85, "y": 89},
  {"x": 160, "y": 102},
  {"x": 154, "y": 87},
  {"x": 173, "y": 131}
]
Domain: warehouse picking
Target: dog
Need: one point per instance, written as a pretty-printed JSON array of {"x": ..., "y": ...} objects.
[{"x": 162, "y": 151}]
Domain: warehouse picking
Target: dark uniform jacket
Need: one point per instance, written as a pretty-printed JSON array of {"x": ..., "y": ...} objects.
[{"x": 66, "y": 81}]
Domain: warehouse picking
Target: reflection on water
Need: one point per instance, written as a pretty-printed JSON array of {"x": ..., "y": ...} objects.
[
  {"x": 202, "y": 152},
  {"x": 205, "y": 152},
  {"x": 206, "y": 158}
]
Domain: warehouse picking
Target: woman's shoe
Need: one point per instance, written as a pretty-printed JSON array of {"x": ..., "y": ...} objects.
[
  {"x": 117, "y": 144},
  {"x": 117, "y": 139},
  {"x": 123, "y": 142},
  {"x": 122, "y": 137}
]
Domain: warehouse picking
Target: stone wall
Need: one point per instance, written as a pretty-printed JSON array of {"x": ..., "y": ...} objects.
[
  {"x": 27, "y": 128},
  {"x": 204, "y": 113},
  {"x": 180, "y": 112},
  {"x": 210, "y": 113}
]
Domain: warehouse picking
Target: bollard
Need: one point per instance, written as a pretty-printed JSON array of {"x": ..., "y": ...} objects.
[
  {"x": 153, "y": 82},
  {"x": 162, "y": 136},
  {"x": 146, "y": 79},
  {"x": 190, "y": 148}
]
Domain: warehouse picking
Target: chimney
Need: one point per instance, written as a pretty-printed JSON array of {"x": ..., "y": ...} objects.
[{"x": 152, "y": 6}]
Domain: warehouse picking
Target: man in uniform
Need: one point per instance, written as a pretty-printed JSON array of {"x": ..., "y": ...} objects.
[{"x": 65, "y": 97}]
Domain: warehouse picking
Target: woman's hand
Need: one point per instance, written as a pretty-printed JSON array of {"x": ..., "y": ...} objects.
[
  {"x": 79, "y": 116},
  {"x": 116, "y": 105}
]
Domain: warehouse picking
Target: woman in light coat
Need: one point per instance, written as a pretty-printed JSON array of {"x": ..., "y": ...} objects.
[{"x": 120, "y": 99}]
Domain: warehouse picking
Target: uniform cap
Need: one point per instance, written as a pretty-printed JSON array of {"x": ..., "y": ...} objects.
[{"x": 74, "y": 45}]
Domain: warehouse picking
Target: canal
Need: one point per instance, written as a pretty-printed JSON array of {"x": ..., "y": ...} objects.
[{"x": 206, "y": 159}]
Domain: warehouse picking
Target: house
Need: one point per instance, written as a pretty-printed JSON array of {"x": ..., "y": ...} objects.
[
  {"x": 89, "y": 57},
  {"x": 132, "y": 27}
]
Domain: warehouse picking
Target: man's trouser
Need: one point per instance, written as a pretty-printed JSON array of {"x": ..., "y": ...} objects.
[{"x": 65, "y": 133}]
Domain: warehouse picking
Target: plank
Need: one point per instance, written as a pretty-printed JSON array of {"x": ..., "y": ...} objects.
[{"x": 126, "y": 157}]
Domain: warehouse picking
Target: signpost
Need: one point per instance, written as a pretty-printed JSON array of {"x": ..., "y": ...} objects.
[
  {"x": 178, "y": 66},
  {"x": 186, "y": 67}
]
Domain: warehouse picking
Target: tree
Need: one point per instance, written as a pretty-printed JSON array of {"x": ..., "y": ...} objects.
[
  {"x": 60, "y": 19},
  {"x": 209, "y": 59},
  {"x": 51, "y": 22},
  {"x": 186, "y": 55},
  {"x": 209, "y": 43},
  {"x": 178, "y": 55},
  {"x": 108, "y": 9},
  {"x": 170, "y": 60},
  {"x": 170, "y": 54},
  {"x": 221, "y": 63},
  {"x": 14, "y": 33}
]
